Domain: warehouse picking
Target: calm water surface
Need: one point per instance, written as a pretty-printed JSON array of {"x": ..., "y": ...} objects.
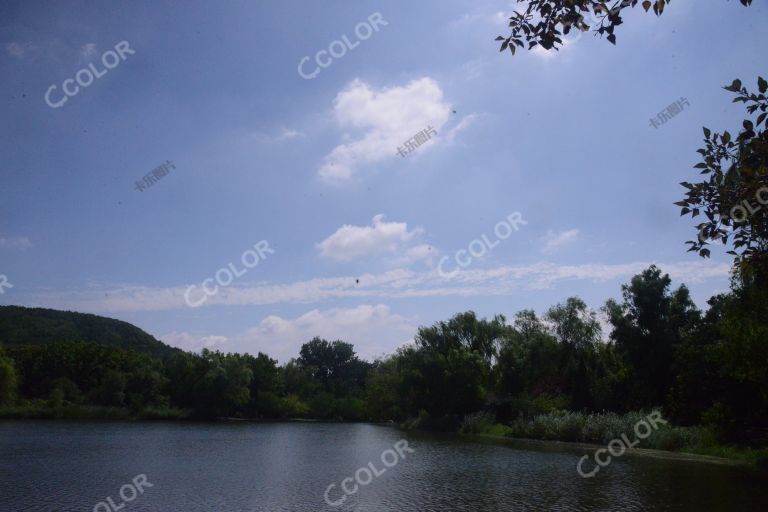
[{"x": 66, "y": 467}]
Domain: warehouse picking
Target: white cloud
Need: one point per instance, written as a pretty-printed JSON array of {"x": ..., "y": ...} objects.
[
  {"x": 18, "y": 50},
  {"x": 373, "y": 330},
  {"x": 568, "y": 43},
  {"x": 556, "y": 241},
  {"x": 488, "y": 14},
  {"x": 15, "y": 242},
  {"x": 462, "y": 125},
  {"x": 411, "y": 255},
  {"x": 283, "y": 135},
  {"x": 186, "y": 341},
  {"x": 87, "y": 52},
  {"x": 382, "y": 120},
  {"x": 382, "y": 238},
  {"x": 399, "y": 283}
]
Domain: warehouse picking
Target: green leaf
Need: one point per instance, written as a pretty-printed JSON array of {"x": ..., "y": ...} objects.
[
  {"x": 734, "y": 87},
  {"x": 762, "y": 84},
  {"x": 707, "y": 132}
]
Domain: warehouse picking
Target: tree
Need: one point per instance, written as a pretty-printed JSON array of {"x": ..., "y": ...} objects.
[
  {"x": 578, "y": 331},
  {"x": 529, "y": 358},
  {"x": 8, "y": 383},
  {"x": 334, "y": 364},
  {"x": 384, "y": 390},
  {"x": 647, "y": 326},
  {"x": 544, "y": 21},
  {"x": 444, "y": 383},
  {"x": 734, "y": 196},
  {"x": 574, "y": 325},
  {"x": 112, "y": 389},
  {"x": 464, "y": 330}
]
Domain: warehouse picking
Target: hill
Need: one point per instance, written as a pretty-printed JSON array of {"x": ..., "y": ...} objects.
[{"x": 39, "y": 326}]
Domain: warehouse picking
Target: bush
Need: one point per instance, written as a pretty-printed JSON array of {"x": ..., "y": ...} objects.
[
  {"x": 163, "y": 413},
  {"x": 477, "y": 423},
  {"x": 603, "y": 427},
  {"x": 293, "y": 407},
  {"x": 434, "y": 424}
]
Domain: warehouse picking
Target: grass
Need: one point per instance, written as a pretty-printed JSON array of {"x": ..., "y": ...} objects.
[
  {"x": 40, "y": 410},
  {"x": 601, "y": 428}
]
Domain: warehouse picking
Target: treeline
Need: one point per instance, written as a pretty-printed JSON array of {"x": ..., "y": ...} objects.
[{"x": 701, "y": 368}]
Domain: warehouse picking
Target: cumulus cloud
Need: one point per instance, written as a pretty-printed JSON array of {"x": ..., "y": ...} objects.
[
  {"x": 555, "y": 241},
  {"x": 15, "y": 242},
  {"x": 373, "y": 329},
  {"x": 380, "y": 121},
  {"x": 382, "y": 238},
  {"x": 186, "y": 341}
]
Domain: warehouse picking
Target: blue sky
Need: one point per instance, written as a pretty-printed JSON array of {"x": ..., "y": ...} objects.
[{"x": 310, "y": 166}]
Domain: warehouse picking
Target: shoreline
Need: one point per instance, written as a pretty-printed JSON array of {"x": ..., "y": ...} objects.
[{"x": 640, "y": 452}]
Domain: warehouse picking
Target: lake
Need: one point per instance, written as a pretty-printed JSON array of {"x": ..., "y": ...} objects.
[{"x": 191, "y": 467}]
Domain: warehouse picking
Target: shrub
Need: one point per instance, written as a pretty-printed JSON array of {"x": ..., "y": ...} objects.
[{"x": 477, "y": 423}]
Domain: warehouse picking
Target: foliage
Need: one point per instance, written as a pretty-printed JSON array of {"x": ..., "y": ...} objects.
[
  {"x": 8, "y": 384},
  {"x": 544, "y": 22},
  {"x": 648, "y": 326},
  {"x": 601, "y": 428},
  {"x": 477, "y": 423},
  {"x": 734, "y": 195},
  {"x": 546, "y": 378},
  {"x": 34, "y": 326}
]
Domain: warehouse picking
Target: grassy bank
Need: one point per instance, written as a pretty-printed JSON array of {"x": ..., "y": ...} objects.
[
  {"x": 90, "y": 412},
  {"x": 597, "y": 429}
]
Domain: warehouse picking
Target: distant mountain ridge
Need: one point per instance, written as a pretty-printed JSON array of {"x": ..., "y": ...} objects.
[{"x": 39, "y": 326}]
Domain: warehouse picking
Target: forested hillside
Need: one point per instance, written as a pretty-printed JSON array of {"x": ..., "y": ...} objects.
[{"x": 39, "y": 326}]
